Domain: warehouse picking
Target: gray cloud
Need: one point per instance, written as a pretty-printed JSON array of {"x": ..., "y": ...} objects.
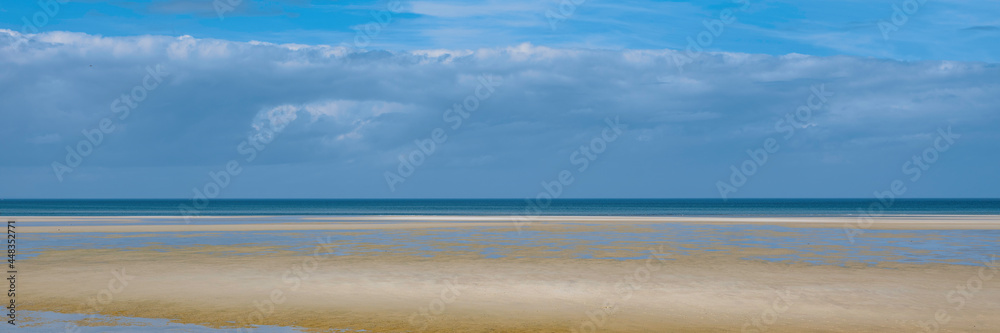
[
  {"x": 356, "y": 110},
  {"x": 983, "y": 28}
]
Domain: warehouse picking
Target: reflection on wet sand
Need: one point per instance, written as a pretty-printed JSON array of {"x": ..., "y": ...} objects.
[{"x": 553, "y": 276}]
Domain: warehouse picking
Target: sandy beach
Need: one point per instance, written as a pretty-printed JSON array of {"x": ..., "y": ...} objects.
[{"x": 555, "y": 283}]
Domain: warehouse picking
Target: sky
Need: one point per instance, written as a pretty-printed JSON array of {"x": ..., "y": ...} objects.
[{"x": 499, "y": 99}]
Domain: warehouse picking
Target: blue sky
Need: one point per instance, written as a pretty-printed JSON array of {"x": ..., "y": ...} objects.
[{"x": 342, "y": 89}]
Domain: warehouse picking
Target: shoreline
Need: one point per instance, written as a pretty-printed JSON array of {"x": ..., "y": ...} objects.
[{"x": 127, "y": 224}]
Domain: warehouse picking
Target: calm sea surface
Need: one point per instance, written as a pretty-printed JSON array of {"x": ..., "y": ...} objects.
[{"x": 627, "y": 207}]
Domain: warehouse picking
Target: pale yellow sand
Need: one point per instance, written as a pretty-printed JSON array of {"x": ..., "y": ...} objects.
[{"x": 463, "y": 292}]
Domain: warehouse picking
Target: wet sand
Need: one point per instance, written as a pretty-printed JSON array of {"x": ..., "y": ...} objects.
[{"x": 540, "y": 290}]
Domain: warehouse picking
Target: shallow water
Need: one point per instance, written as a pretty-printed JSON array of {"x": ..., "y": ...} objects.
[
  {"x": 787, "y": 244},
  {"x": 48, "y": 322}
]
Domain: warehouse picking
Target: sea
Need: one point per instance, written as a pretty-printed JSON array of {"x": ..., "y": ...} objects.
[{"x": 563, "y": 207}]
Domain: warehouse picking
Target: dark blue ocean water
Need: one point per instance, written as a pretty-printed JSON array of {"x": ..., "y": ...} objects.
[{"x": 625, "y": 207}]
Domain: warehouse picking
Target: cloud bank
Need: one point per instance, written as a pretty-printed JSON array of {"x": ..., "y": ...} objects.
[{"x": 352, "y": 112}]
